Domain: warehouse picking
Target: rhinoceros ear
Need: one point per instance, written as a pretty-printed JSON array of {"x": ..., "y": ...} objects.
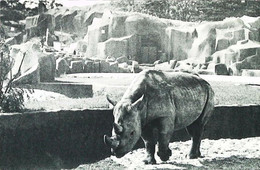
[
  {"x": 111, "y": 101},
  {"x": 139, "y": 104}
]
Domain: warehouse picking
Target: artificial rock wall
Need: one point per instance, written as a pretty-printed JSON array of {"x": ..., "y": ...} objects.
[{"x": 145, "y": 38}]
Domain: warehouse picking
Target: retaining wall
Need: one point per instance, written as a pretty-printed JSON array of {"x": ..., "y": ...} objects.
[
  {"x": 65, "y": 139},
  {"x": 72, "y": 90}
]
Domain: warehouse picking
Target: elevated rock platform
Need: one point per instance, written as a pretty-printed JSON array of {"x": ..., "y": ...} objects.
[{"x": 69, "y": 89}]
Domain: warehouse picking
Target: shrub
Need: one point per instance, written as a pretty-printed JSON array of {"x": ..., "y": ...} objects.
[{"x": 11, "y": 98}]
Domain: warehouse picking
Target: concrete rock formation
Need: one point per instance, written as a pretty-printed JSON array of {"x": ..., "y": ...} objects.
[
  {"x": 36, "y": 66},
  {"x": 98, "y": 40}
]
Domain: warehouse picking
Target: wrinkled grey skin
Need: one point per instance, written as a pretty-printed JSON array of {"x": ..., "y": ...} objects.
[{"x": 154, "y": 106}]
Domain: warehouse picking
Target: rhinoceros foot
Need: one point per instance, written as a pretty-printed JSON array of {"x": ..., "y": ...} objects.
[
  {"x": 195, "y": 155},
  {"x": 149, "y": 160},
  {"x": 164, "y": 155}
]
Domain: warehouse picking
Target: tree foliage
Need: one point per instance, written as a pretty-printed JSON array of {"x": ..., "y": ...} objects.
[{"x": 192, "y": 10}]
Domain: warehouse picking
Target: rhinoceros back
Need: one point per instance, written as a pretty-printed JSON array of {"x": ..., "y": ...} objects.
[{"x": 179, "y": 96}]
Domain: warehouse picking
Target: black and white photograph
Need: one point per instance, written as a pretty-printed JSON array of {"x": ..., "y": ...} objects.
[{"x": 129, "y": 84}]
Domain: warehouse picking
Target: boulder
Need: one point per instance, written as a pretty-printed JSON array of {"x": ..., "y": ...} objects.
[
  {"x": 96, "y": 65},
  {"x": 226, "y": 56},
  {"x": 115, "y": 47},
  {"x": 236, "y": 53},
  {"x": 76, "y": 67},
  {"x": 183, "y": 66},
  {"x": 218, "y": 69},
  {"x": 122, "y": 59},
  {"x": 89, "y": 66},
  {"x": 110, "y": 59},
  {"x": 222, "y": 44},
  {"x": 246, "y": 52},
  {"x": 47, "y": 65},
  {"x": 123, "y": 68},
  {"x": 228, "y": 36},
  {"x": 253, "y": 26},
  {"x": 70, "y": 58},
  {"x": 104, "y": 67},
  {"x": 62, "y": 66},
  {"x": 114, "y": 67},
  {"x": 250, "y": 63}
]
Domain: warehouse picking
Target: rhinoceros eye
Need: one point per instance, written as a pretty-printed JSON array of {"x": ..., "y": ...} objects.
[{"x": 132, "y": 133}]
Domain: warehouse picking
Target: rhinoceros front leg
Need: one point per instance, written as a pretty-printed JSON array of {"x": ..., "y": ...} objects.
[
  {"x": 150, "y": 142},
  {"x": 165, "y": 128}
]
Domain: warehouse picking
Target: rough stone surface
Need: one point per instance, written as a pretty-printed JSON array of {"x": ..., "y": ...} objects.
[
  {"x": 38, "y": 25},
  {"x": 96, "y": 65},
  {"x": 114, "y": 67},
  {"x": 36, "y": 65},
  {"x": 89, "y": 66},
  {"x": 252, "y": 62},
  {"x": 183, "y": 66},
  {"x": 62, "y": 67},
  {"x": 104, "y": 67},
  {"x": 115, "y": 47},
  {"x": 218, "y": 69},
  {"x": 76, "y": 67},
  {"x": 122, "y": 59},
  {"x": 47, "y": 68}
]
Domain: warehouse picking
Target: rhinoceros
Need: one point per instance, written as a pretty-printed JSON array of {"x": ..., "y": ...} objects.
[{"x": 154, "y": 106}]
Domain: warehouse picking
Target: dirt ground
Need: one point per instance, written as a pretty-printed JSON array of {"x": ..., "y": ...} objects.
[{"x": 218, "y": 154}]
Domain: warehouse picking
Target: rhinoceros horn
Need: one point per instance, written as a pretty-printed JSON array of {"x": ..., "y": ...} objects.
[
  {"x": 118, "y": 128},
  {"x": 111, "y": 142},
  {"x": 111, "y": 101}
]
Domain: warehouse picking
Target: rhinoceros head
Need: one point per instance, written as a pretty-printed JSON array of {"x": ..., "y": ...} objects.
[{"x": 126, "y": 127}]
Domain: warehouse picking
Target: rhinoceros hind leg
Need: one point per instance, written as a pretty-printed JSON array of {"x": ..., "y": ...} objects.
[
  {"x": 195, "y": 130},
  {"x": 197, "y": 127}
]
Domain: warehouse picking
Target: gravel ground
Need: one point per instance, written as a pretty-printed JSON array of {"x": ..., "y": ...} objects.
[{"x": 218, "y": 154}]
